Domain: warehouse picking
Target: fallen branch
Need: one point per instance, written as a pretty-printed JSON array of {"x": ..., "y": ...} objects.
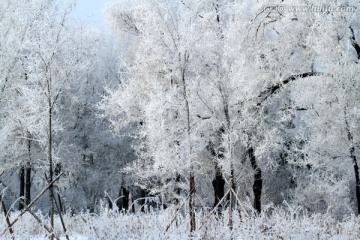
[
  {"x": 221, "y": 200},
  {"x": 6, "y": 215},
  {"x": 239, "y": 203},
  {"x": 39, "y": 220},
  {"x": 61, "y": 217},
  {"x": 27, "y": 207},
  {"x": 167, "y": 228},
  {"x": 227, "y": 193}
]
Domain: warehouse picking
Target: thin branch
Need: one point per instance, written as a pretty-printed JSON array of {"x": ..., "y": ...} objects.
[
  {"x": 207, "y": 106},
  {"x": 354, "y": 43},
  {"x": 177, "y": 211},
  {"x": 61, "y": 217},
  {"x": 221, "y": 200},
  {"x": 6, "y": 215},
  {"x": 270, "y": 91},
  {"x": 33, "y": 201},
  {"x": 47, "y": 228}
]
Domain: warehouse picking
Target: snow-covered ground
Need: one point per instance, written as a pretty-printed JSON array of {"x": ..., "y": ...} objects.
[{"x": 289, "y": 223}]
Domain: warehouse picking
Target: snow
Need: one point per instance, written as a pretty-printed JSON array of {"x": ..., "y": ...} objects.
[{"x": 276, "y": 223}]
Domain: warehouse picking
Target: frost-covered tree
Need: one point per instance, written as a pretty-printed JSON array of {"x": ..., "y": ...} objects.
[
  {"x": 16, "y": 143},
  {"x": 159, "y": 88},
  {"x": 244, "y": 76},
  {"x": 101, "y": 155},
  {"x": 52, "y": 61},
  {"x": 292, "y": 51}
]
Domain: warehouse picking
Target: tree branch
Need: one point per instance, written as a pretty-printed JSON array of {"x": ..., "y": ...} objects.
[
  {"x": 264, "y": 95},
  {"x": 354, "y": 43},
  {"x": 27, "y": 207}
]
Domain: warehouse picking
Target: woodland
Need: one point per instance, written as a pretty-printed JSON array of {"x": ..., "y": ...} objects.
[{"x": 180, "y": 119}]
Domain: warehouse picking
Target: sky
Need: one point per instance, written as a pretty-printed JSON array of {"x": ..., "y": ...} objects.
[{"x": 90, "y": 12}]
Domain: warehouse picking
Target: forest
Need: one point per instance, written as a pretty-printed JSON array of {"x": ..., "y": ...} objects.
[{"x": 180, "y": 119}]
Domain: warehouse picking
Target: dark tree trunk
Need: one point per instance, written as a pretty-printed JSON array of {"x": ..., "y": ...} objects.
[
  {"x": 354, "y": 43},
  {"x": 132, "y": 206},
  {"x": 28, "y": 174},
  {"x": 218, "y": 182},
  {"x": 227, "y": 130},
  {"x": 257, "y": 187},
  {"x": 188, "y": 126},
  {"x": 177, "y": 188},
  {"x": 142, "y": 202},
  {"x": 51, "y": 171},
  {"x": 218, "y": 185},
  {"x": 123, "y": 203},
  {"x": 357, "y": 178},
  {"x": 192, "y": 202},
  {"x": 22, "y": 186},
  {"x": 28, "y": 183},
  {"x": 61, "y": 209},
  {"x": 354, "y": 160},
  {"x": 231, "y": 195}
]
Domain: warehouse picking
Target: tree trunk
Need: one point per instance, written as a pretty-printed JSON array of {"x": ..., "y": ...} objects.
[
  {"x": 257, "y": 187},
  {"x": 132, "y": 205},
  {"x": 354, "y": 160},
  {"x": 218, "y": 185},
  {"x": 28, "y": 174},
  {"x": 61, "y": 209},
  {"x": 231, "y": 196},
  {"x": 50, "y": 162},
  {"x": 143, "y": 203},
  {"x": 218, "y": 182},
  {"x": 125, "y": 198},
  {"x": 177, "y": 189},
  {"x": 227, "y": 130},
  {"x": 192, "y": 202},
  {"x": 49, "y": 150},
  {"x": 188, "y": 126},
  {"x": 357, "y": 178},
  {"x": 27, "y": 183},
  {"x": 22, "y": 185}
]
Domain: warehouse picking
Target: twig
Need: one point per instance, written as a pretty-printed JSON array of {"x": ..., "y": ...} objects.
[
  {"x": 27, "y": 207},
  {"x": 6, "y": 216},
  {"x": 60, "y": 204},
  {"x": 39, "y": 220},
  {"x": 222, "y": 199},
  {"x": 44, "y": 190},
  {"x": 61, "y": 217},
  {"x": 167, "y": 228},
  {"x": 239, "y": 203}
]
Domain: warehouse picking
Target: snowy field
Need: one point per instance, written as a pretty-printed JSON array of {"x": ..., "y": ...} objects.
[{"x": 280, "y": 224}]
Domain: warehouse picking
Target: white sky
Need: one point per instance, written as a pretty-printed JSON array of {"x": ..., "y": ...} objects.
[{"x": 90, "y": 12}]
